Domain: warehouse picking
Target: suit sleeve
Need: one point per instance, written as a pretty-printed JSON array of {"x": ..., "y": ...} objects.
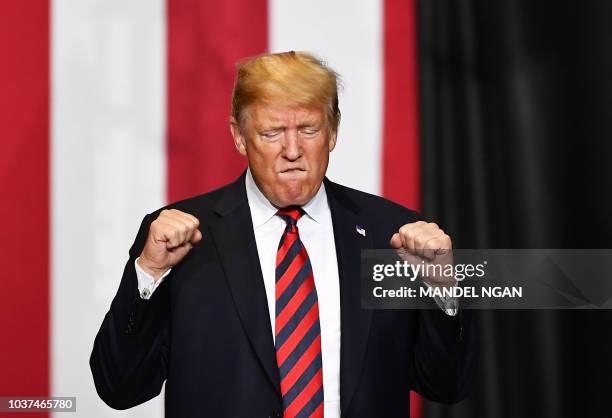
[
  {"x": 445, "y": 356},
  {"x": 130, "y": 353},
  {"x": 446, "y": 352}
]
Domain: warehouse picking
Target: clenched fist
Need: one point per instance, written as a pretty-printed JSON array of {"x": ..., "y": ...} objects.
[
  {"x": 423, "y": 242},
  {"x": 170, "y": 238}
]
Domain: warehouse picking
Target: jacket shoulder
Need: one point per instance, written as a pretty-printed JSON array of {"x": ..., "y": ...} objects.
[
  {"x": 372, "y": 205},
  {"x": 199, "y": 206}
]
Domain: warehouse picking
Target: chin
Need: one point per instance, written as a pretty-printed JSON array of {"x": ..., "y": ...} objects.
[
  {"x": 293, "y": 201},
  {"x": 295, "y": 196}
]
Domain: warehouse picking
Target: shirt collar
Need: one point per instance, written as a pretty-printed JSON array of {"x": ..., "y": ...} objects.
[{"x": 262, "y": 210}]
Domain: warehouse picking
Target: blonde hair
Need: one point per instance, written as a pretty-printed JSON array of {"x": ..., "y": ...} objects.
[{"x": 287, "y": 78}]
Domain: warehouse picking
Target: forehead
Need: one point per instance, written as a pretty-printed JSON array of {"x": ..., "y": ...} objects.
[{"x": 286, "y": 115}]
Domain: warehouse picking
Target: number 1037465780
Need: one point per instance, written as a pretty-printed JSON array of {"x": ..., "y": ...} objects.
[{"x": 37, "y": 403}]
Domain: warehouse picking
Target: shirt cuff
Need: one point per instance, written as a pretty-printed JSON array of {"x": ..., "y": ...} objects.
[
  {"x": 449, "y": 305},
  {"x": 146, "y": 282}
]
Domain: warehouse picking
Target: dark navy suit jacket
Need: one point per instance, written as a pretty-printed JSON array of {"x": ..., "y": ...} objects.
[{"x": 206, "y": 330}]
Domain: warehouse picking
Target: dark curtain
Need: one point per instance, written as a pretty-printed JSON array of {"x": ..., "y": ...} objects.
[{"x": 516, "y": 104}]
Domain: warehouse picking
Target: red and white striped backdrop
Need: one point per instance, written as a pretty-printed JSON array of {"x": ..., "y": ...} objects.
[{"x": 110, "y": 109}]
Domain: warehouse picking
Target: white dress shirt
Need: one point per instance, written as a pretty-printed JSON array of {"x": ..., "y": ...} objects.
[{"x": 317, "y": 235}]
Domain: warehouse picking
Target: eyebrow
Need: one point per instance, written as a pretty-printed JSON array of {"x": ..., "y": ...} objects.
[
  {"x": 306, "y": 124},
  {"x": 270, "y": 128},
  {"x": 309, "y": 124}
]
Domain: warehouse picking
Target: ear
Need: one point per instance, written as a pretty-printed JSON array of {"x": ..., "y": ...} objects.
[
  {"x": 332, "y": 140},
  {"x": 239, "y": 139}
]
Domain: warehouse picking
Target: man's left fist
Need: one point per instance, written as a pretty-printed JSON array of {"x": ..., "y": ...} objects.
[
  {"x": 423, "y": 239},
  {"x": 420, "y": 242}
]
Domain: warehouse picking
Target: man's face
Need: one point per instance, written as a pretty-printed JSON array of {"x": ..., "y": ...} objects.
[{"x": 288, "y": 150}]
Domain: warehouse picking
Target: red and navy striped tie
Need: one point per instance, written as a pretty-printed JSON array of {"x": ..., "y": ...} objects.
[{"x": 298, "y": 332}]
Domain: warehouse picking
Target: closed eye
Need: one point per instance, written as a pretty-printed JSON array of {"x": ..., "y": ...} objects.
[
  {"x": 271, "y": 135},
  {"x": 309, "y": 132}
]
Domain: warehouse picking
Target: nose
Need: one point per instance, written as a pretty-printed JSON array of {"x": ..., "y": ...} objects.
[{"x": 292, "y": 149}]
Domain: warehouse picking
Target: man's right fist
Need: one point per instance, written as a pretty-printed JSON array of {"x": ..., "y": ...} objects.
[{"x": 170, "y": 238}]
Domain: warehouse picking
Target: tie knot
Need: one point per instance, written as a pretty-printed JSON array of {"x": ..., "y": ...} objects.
[{"x": 291, "y": 214}]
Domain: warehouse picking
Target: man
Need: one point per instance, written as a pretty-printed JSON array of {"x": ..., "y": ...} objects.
[{"x": 246, "y": 300}]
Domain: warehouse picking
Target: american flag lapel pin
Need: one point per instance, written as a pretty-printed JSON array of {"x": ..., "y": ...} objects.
[{"x": 361, "y": 231}]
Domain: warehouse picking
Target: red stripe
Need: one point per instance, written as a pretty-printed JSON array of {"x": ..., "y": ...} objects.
[
  {"x": 282, "y": 251},
  {"x": 293, "y": 213},
  {"x": 24, "y": 213},
  {"x": 205, "y": 39},
  {"x": 290, "y": 274},
  {"x": 294, "y": 303},
  {"x": 401, "y": 150},
  {"x": 308, "y": 392},
  {"x": 317, "y": 413},
  {"x": 298, "y": 368},
  {"x": 401, "y": 146},
  {"x": 298, "y": 333}
]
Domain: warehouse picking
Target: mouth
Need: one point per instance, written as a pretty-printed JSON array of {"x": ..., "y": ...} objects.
[{"x": 292, "y": 171}]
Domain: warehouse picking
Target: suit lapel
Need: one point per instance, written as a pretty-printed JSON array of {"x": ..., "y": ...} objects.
[
  {"x": 235, "y": 241},
  {"x": 355, "y": 321}
]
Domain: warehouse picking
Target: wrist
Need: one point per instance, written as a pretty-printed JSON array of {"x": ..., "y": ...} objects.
[{"x": 150, "y": 268}]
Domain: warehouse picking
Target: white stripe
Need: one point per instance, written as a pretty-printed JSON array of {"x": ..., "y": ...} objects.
[
  {"x": 348, "y": 35},
  {"x": 108, "y": 170}
]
